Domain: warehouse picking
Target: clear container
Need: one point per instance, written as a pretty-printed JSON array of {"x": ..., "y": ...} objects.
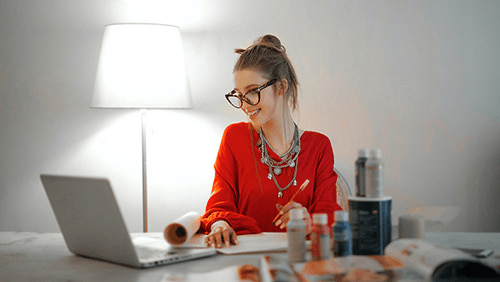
[
  {"x": 296, "y": 233},
  {"x": 359, "y": 171},
  {"x": 342, "y": 238},
  {"x": 320, "y": 237},
  {"x": 374, "y": 169}
]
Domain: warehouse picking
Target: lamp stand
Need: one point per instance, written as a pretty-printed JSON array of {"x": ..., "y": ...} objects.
[
  {"x": 144, "y": 174},
  {"x": 141, "y": 66}
]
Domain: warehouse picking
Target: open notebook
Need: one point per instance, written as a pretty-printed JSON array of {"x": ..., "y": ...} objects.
[{"x": 251, "y": 243}]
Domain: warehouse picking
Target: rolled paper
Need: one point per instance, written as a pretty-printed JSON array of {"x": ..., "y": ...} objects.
[{"x": 181, "y": 230}]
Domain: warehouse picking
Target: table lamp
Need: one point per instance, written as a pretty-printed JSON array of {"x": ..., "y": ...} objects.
[{"x": 141, "y": 66}]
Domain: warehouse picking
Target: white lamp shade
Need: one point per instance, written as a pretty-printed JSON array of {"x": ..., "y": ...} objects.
[{"x": 141, "y": 66}]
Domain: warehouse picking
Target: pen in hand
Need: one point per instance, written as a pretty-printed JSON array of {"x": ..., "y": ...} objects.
[{"x": 302, "y": 187}]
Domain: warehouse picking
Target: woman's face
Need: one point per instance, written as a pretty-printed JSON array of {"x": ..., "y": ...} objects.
[{"x": 270, "y": 100}]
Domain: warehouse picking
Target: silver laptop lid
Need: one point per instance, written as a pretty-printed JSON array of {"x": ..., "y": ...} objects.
[{"x": 89, "y": 218}]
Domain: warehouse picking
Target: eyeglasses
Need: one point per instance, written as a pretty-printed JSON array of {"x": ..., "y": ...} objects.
[{"x": 252, "y": 97}]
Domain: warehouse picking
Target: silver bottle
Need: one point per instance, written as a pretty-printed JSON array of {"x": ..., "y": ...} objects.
[{"x": 374, "y": 172}]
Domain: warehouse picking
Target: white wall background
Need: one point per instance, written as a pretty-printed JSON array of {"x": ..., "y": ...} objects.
[{"x": 418, "y": 79}]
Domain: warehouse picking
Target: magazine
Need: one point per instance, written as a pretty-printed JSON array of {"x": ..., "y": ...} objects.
[
  {"x": 437, "y": 262},
  {"x": 351, "y": 268},
  {"x": 404, "y": 259}
]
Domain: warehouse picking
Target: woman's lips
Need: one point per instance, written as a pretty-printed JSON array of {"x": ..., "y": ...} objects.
[{"x": 252, "y": 113}]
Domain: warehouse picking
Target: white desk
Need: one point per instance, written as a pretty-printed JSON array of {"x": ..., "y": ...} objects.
[{"x": 44, "y": 257}]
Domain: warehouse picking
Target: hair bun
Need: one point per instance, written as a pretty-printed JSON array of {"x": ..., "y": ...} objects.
[{"x": 271, "y": 41}]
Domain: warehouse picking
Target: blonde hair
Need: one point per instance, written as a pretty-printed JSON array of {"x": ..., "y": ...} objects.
[{"x": 269, "y": 57}]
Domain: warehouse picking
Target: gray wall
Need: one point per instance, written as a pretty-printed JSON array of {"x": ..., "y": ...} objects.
[{"x": 419, "y": 79}]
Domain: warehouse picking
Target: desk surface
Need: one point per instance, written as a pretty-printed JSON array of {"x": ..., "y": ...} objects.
[{"x": 44, "y": 257}]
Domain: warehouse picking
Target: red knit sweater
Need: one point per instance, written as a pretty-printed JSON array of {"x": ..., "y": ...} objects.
[{"x": 244, "y": 196}]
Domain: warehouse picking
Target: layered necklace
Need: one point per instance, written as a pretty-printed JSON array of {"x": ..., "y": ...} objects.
[{"x": 289, "y": 159}]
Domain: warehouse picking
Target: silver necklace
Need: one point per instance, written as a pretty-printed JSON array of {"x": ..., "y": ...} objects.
[{"x": 289, "y": 159}]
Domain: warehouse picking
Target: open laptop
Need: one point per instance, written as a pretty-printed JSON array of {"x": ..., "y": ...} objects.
[{"x": 92, "y": 225}]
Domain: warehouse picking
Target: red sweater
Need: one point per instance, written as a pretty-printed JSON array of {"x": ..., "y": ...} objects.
[{"x": 242, "y": 194}]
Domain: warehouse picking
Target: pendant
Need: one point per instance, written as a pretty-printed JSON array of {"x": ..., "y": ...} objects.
[
  {"x": 294, "y": 182},
  {"x": 277, "y": 170},
  {"x": 280, "y": 195},
  {"x": 269, "y": 176},
  {"x": 263, "y": 160},
  {"x": 291, "y": 163}
]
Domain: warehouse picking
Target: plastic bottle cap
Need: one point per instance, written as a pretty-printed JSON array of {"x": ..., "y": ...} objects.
[
  {"x": 341, "y": 216},
  {"x": 375, "y": 153},
  {"x": 363, "y": 153},
  {"x": 320, "y": 218},
  {"x": 295, "y": 214}
]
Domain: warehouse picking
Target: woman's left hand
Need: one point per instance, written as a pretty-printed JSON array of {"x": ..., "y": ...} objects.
[{"x": 282, "y": 221}]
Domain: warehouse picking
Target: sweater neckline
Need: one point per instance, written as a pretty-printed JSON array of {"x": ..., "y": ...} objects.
[{"x": 271, "y": 151}]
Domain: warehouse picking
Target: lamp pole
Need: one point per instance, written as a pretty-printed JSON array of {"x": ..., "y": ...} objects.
[{"x": 144, "y": 172}]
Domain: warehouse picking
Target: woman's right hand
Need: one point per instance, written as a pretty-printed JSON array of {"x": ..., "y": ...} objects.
[
  {"x": 284, "y": 218},
  {"x": 221, "y": 232}
]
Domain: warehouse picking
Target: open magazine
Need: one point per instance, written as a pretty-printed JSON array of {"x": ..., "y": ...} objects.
[
  {"x": 404, "y": 259},
  {"x": 436, "y": 262},
  {"x": 351, "y": 268}
]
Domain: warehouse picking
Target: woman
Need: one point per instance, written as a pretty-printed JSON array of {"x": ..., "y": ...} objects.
[{"x": 262, "y": 163}]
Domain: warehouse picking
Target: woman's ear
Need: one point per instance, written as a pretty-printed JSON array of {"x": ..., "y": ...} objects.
[{"x": 283, "y": 86}]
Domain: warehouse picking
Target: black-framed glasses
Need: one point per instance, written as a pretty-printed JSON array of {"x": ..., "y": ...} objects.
[{"x": 252, "y": 97}]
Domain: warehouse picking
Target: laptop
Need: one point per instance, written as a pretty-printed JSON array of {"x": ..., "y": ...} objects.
[{"x": 92, "y": 225}]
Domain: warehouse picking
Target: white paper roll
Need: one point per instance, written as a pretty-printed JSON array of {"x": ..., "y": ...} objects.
[{"x": 178, "y": 232}]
